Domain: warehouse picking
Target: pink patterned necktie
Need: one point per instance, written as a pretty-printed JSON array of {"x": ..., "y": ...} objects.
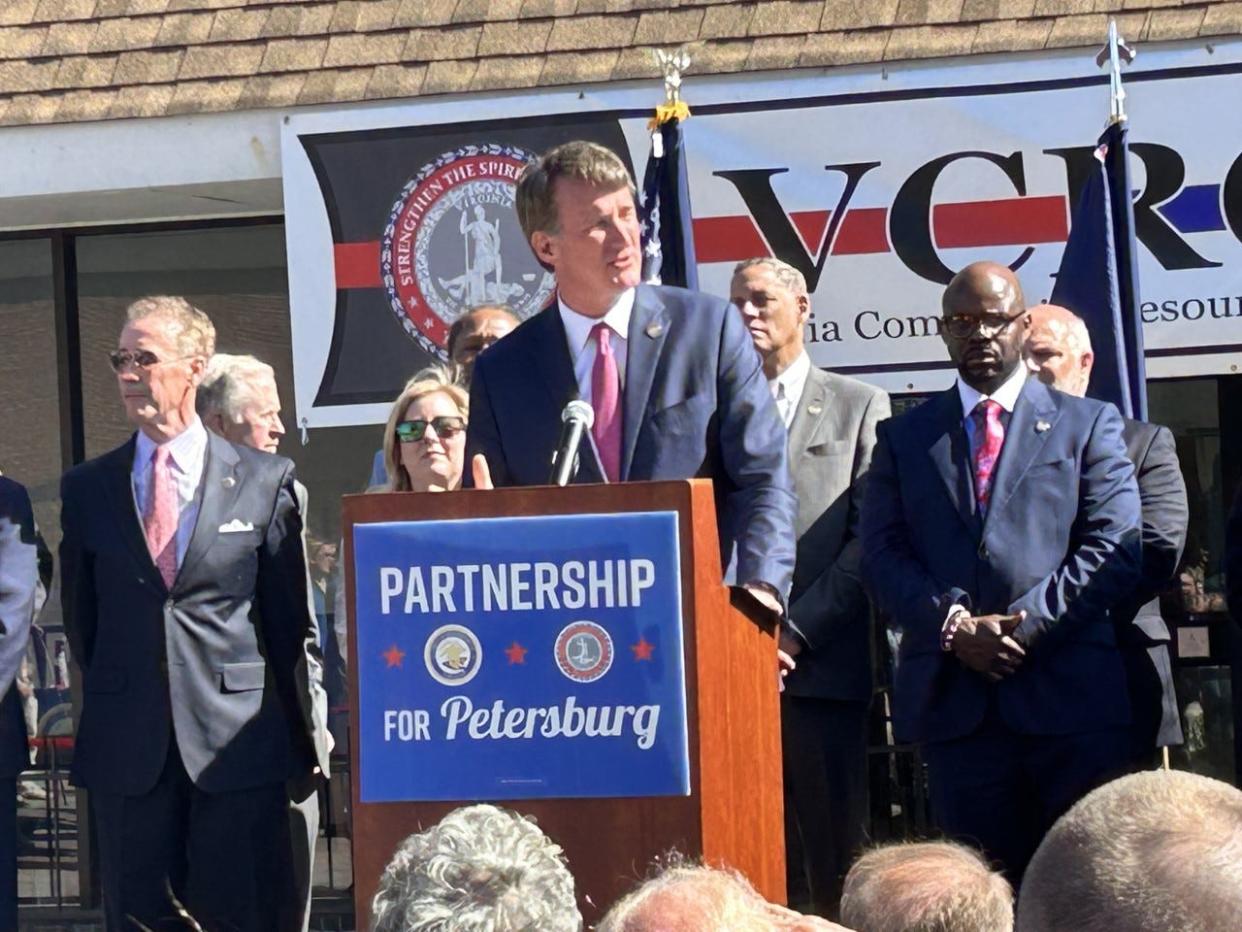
[
  {"x": 990, "y": 436},
  {"x": 159, "y": 521},
  {"x": 606, "y": 400}
]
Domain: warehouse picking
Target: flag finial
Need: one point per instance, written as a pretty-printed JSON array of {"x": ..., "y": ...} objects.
[
  {"x": 1114, "y": 53},
  {"x": 674, "y": 65}
]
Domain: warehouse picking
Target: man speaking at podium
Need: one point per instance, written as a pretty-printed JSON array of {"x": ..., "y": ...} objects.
[{"x": 674, "y": 383}]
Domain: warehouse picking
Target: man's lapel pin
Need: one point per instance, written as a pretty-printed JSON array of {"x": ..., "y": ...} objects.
[
  {"x": 654, "y": 329},
  {"x": 1041, "y": 426},
  {"x": 229, "y": 482},
  {"x": 814, "y": 408}
]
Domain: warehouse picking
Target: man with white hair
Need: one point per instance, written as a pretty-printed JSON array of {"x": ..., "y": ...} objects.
[
  {"x": 1058, "y": 351},
  {"x": 931, "y": 886},
  {"x": 239, "y": 401},
  {"x": 1151, "y": 852},
  {"x": 831, "y": 422},
  {"x": 187, "y": 607},
  {"x": 480, "y": 869}
]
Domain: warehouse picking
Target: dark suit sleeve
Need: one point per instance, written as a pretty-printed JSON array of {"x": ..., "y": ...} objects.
[
  {"x": 19, "y": 572},
  {"x": 77, "y": 575},
  {"x": 753, "y": 446},
  {"x": 892, "y": 572},
  {"x": 482, "y": 433},
  {"x": 1166, "y": 514},
  {"x": 836, "y": 596},
  {"x": 289, "y": 629},
  {"x": 1105, "y": 561}
]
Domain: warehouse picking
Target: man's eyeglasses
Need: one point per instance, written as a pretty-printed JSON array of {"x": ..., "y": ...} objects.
[
  {"x": 122, "y": 359},
  {"x": 445, "y": 426},
  {"x": 961, "y": 326}
]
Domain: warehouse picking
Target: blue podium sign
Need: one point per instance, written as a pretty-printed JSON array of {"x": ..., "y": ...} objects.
[{"x": 520, "y": 658}]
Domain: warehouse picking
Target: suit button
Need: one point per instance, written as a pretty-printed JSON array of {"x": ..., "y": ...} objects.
[
  {"x": 983, "y": 552},
  {"x": 168, "y": 606}
]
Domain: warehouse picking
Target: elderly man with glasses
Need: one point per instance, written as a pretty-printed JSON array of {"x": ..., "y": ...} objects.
[
  {"x": 187, "y": 607},
  {"x": 1001, "y": 525}
]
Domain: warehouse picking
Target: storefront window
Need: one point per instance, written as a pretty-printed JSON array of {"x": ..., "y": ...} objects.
[{"x": 30, "y": 415}]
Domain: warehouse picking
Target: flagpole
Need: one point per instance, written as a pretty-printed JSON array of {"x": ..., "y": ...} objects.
[{"x": 1114, "y": 53}]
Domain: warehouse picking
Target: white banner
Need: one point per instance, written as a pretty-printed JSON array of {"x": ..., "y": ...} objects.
[{"x": 946, "y": 163}]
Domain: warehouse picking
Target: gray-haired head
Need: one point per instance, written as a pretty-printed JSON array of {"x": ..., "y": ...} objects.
[
  {"x": 238, "y": 400},
  {"x": 926, "y": 887},
  {"x": 481, "y": 869},
  {"x": 784, "y": 273},
  {"x": 189, "y": 328},
  {"x": 1149, "y": 852}
]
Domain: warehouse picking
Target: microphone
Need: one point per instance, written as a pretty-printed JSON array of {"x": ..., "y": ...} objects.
[{"x": 576, "y": 420}]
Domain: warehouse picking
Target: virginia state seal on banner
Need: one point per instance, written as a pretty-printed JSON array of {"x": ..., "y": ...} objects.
[
  {"x": 452, "y": 242},
  {"x": 583, "y": 651}
]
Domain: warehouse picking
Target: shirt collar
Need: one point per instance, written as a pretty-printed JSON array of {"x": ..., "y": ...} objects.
[
  {"x": 1006, "y": 396},
  {"x": 794, "y": 377},
  {"x": 186, "y": 449},
  {"x": 578, "y": 326}
]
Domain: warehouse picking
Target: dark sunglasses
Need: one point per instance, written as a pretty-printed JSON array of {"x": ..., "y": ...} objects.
[
  {"x": 446, "y": 426},
  {"x": 144, "y": 359}
]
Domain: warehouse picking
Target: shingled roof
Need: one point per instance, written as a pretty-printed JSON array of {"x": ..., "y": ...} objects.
[{"x": 72, "y": 60}]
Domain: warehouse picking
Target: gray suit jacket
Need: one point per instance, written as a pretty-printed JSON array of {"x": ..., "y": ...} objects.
[
  {"x": 830, "y": 444},
  {"x": 227, "y": 660}
]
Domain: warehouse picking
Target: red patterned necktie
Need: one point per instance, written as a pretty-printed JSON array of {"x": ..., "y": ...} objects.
[
  {"x": 159, "y": 521},
  {"x": 606, "y": 400},
  {"x": 989, "y": 437}
]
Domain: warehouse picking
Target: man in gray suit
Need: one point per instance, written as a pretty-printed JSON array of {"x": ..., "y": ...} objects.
[
  {"x": 238, "y": 400},
  {"x": 187, "y": 605},
  {"x": 831, "y": 422}
]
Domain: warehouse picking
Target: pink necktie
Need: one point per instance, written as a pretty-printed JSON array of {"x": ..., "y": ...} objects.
[
  {"x": 159, "y": 522},
  {"x": 606, "y": 400},
  {"x": 988, "y": 450}
]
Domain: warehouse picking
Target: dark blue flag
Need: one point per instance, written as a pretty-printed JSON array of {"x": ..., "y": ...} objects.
[
  {"x": 664, "y": 209},
  {"x": 1098, "y": 279}
]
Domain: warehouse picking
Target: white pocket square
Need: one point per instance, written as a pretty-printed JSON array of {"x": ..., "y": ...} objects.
[{"x": 236, "y": 526}]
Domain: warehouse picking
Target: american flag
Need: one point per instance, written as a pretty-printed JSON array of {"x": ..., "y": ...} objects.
[{"x": 664, "y": 211}]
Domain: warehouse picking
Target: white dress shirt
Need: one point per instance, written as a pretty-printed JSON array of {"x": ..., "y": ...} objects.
[
  {"x": 187, "y": 452},
  {"x": 787, "y": 387},
  {"x": 582, "y": 348},
  {"x": 1006, "y": 396}
]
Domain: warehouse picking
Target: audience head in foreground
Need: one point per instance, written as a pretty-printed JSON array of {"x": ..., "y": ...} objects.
[
  {"x": 926, "y": 887},
  {"x": 1150, "y": 852},
  {"x": 692, "y": 898},
  {"x": 238, "y": 400},
  {"x": 481, "y": 869},
  {"x": 425, "y": 437}
]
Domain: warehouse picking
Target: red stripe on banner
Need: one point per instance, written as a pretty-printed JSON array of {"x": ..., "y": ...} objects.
[
  {"x": 357, "y": 265},
  {"x": 731, "y": 239},
  {"x": 727, "y": 239},
  {"x": 1014, "y": 221}
]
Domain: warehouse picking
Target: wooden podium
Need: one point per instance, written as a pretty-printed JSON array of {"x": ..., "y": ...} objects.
[{"x": 733, "y": 814}]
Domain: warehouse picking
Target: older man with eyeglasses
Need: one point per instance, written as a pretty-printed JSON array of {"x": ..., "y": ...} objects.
[
  {"x": 1001, "y": 525},
  {"x": 187, "y": 606}
]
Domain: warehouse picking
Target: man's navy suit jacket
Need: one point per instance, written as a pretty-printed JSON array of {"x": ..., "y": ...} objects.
[
  {"x": 696, "y": 404},
  {"x": 1060, "y": 541},
  {"x": 227, "y": 661}
]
